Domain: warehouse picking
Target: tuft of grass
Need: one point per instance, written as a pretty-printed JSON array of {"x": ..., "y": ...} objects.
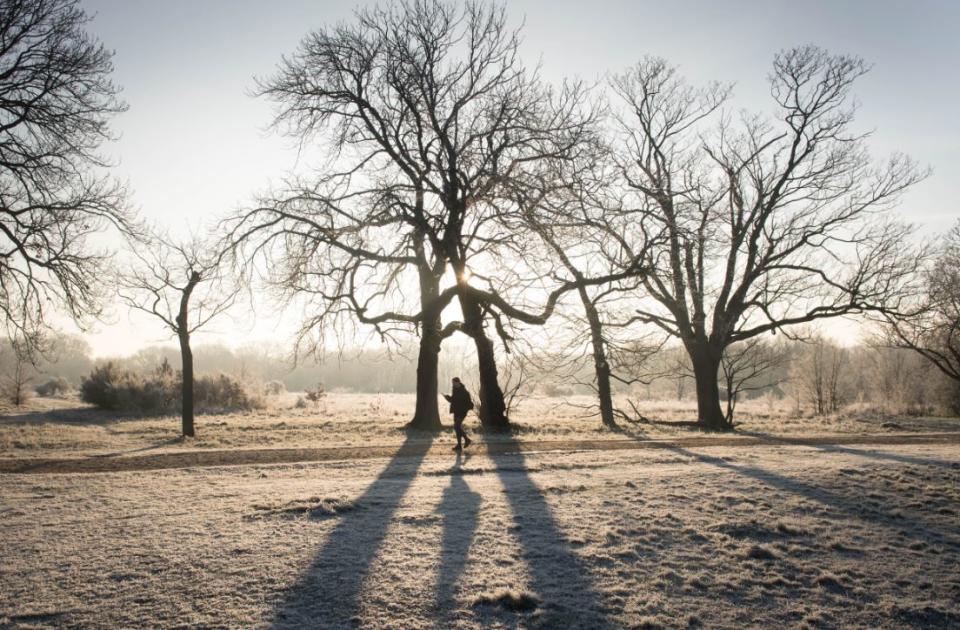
[
  {"x": 791, "y": 530},
  {"x": 759, "y": 552},
  {"x": 314, "y": 507},
  {"x": 830, "y": 582},
  {"x": 508, "y": 599}
]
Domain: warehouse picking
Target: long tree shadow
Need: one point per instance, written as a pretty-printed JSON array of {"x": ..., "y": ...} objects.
[
  {"x": 21, "y": 466},
  {"x": 141, "y": 449},
  {"x": 837, "y": 448},
  {"x": 851, "y": 504},
  {"x": 327, "y": 594},
  {"x": 460, "y": 508},
  {"x": 78, "y": 416},
  {"x": 562, "y": 583}
]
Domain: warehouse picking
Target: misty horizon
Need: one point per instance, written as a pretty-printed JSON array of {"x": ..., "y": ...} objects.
[{"x": 165, "y": 80}]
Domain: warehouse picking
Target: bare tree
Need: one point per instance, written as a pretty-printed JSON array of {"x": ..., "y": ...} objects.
[
  {"x": 516, "y": 375},
  {"x": 589, "y": 243},
  {"x": 679, "y": 370},
  {"x": 181, "y": 285},
  {"x": 431, "y": 98},
  {"x": 768, "y": 224},
  {"x": 55, "y": 101},
  {"x": 750, "y": 366},
  {"x": 897, "y": 379},
  {"x": 19, "y": 373},
  {"x": 819, "y": 372},
  {"x": 932, "y": 326},
  {"x": 351, "y": 254}
]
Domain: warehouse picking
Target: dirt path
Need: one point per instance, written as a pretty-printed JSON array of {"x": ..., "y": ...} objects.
[{"x": 237, "y": 457}]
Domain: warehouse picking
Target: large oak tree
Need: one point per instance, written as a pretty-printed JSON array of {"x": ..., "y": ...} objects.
[
  {"x": 431, "y": 98},
  {"x": 769, "y": 223}
]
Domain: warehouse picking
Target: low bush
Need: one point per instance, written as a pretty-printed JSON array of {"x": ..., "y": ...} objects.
[
  {"x": 15, "y": 392},
  {"x": 317, "y": 394},
  {"x": 109, "y": 387},
  {"x": 221, "y": 391},
  {"x": 274, "y": 388},
  {"x": 555, "y": 390},
  {"x": 56, "y": 386},
  {"x": 100, "y": 387}
]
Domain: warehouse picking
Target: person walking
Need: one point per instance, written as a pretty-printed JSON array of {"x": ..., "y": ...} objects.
[{"x": 460, "y": 403}]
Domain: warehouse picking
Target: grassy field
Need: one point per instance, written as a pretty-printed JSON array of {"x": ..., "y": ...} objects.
[
  {"x": 727, "y": 537},
  {"x": 68, "y": 428},
  {"x": 856, "y": 529}
]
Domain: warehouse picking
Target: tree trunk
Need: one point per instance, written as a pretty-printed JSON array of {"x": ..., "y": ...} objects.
[
  {"x": 186, "y": 355},
  {"x": 604, "y": 393},
  {"x": 426, "y": 415},
  {"x": 186, "y": 387},
  {"x": 600, "y": 364},
  {"x": 706, "y": 365},
  {"x": 728, "y": 382},
  {"x": 492, "y": 411},
  {"x": 493, "y": 407}
]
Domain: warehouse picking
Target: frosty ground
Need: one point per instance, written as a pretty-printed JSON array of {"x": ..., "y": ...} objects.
[
  {"x": 50, "y": 427},
  {"x": 729, "y": 536}
]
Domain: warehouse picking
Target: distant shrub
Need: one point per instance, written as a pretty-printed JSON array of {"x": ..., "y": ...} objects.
[
  {"x": 953, "y": 398},
  {"x": 301, "y": 403},
  {"x": 109, "y": 387},
  {"x": 317, "y": 394},
  {"x": 555, "y": 390},
  {"x": 222, "y": 391},
  {"x": 56, "y": 386},
  {"x": 15, "y": 392},
  {"x": 99, "y": 388},
  {"x": 274, "y": 388}
]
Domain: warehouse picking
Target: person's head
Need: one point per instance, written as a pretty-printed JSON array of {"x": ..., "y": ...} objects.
[{"x": 456, "y": 382}]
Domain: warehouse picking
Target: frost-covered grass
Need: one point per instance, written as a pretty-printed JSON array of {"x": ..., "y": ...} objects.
[
  {"x": 731, "y": 537},
  {"x": 68, "y": 428}
]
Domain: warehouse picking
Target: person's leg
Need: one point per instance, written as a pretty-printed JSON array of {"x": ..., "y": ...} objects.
[{"x": 458, "y": 428}]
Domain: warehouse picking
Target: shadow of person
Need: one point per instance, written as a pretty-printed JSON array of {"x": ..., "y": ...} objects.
[
  {"x": 460, "y": 507},
  {"x": 562, "y": 583},
  {"x": 327, "y": 594}
]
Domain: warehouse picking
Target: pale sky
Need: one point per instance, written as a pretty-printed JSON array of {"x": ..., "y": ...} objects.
[{"x": 194, "y": 143}]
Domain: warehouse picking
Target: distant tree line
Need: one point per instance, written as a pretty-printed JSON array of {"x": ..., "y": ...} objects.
[{"x": 814, "y": 376}]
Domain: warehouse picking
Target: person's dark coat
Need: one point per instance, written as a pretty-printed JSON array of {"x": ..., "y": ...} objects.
[{"x": 460, "y": 400}]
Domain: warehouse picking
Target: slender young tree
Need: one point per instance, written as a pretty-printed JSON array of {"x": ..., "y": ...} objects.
[
  {"x": 183, "y": 286},
  {"x": 56, "y": 99},
  {"x": 768, "y": 223},
  {"x": 820, "y": 372},
  {"x": 588, "y": 242},
  {"x": 18, "y": 373},
  {"x": 750, "y": 366}
]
